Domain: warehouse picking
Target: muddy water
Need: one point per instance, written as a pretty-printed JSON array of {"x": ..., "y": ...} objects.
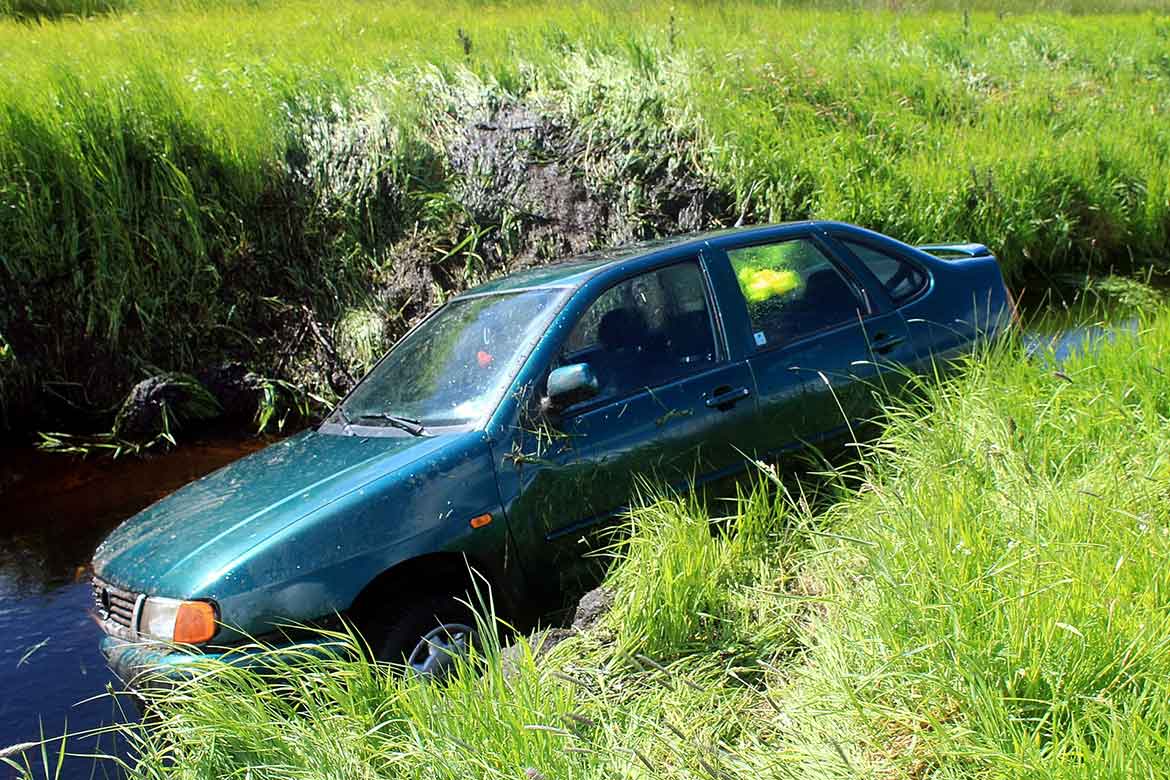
[{"x": 54, "y": 510}]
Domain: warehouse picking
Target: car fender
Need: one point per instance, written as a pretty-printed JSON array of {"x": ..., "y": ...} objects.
[{"x": 317, "y": 566}]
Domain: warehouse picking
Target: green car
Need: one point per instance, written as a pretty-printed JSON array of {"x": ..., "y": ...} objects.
[{"x": 508, "y": 427}]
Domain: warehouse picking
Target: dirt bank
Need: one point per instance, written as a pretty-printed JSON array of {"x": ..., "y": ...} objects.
[{"x": 301, "y": 310}]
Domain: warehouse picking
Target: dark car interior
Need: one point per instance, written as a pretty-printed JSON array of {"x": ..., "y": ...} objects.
[
  {"x": 652, "y": 335},
  {"x": 825, "y": 300}
]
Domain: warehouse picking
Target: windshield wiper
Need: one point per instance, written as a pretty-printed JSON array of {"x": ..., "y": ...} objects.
[{"x": 413, "y": 427}]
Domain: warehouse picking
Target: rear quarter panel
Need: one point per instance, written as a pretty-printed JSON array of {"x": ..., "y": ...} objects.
[
  {"x": 965, "y": 301},
  {"x": 965, "y": 304}
]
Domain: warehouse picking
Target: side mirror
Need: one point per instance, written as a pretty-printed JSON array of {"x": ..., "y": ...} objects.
[{"x": 570, "y": 385}]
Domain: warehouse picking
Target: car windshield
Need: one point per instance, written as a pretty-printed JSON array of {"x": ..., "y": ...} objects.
[{"x": 454, "y": 367}]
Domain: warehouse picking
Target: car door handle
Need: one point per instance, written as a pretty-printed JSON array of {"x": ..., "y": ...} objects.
[
  {"x": 883, "y": 343},
  {"x": 724, "y": 398}
]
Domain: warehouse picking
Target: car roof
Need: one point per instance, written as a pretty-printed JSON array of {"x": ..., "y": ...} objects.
[{"x": 572, "y": 272}]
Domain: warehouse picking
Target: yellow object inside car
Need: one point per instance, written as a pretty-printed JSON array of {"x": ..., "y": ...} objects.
[{"x": 760, "y": 284}]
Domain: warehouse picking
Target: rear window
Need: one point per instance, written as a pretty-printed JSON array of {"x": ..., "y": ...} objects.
[{"x": 901, "y": 278}]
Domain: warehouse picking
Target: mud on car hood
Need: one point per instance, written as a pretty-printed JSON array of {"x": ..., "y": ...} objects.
[{"x": 237, "y": 507}]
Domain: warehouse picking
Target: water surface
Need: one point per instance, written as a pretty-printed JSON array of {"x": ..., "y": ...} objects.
[{"x": 54, "y": 510}]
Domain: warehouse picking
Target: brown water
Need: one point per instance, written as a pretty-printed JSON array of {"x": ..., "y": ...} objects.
[{"x": 54, "y": 510}]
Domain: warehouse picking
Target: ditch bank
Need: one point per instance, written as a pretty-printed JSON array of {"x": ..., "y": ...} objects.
[
  {"x": 273, "y": 311},
  {"x": 295, "y": 276}
]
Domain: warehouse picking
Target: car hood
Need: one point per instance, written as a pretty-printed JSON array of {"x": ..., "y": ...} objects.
[{"x": 235, "y": 508}]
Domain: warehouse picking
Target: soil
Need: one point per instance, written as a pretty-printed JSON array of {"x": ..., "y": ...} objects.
[{"x": 526, "y": 169}]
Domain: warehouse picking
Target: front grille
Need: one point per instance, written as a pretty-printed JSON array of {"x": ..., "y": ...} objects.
[{"x": 114, "y": 605}]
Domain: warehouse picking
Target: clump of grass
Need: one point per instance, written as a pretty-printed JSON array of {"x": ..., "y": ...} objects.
[
  {"x": 672, "y": 587},
  {"x": 685, "y": 582},
  {"x": 308, "y": 714}
]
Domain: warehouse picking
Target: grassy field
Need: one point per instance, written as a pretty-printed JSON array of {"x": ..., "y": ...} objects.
[
  {"x": 33, "y": 10},
  {"x": 985, "y": 595},
  {"x": 185, "y": 183}
]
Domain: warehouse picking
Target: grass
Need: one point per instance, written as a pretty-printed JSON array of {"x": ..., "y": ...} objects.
[
  {"x": 201, "y": 180},
  {"x": 1016, "y": 589},
  {"x": 983, "y": 595},
  {"x": 29, "y": 10}
]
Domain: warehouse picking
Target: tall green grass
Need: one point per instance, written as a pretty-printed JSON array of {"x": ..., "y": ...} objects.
[
  {"x": 53, "y": 9},
  {"x": 985, "y": 595},
  {"x": 30, "y": 10},
  {"x": 1014, "y": 607},
  {"x": 177, "y": 183}
]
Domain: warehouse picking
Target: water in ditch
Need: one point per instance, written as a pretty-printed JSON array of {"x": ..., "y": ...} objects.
[{"x": 54, "y": 510}]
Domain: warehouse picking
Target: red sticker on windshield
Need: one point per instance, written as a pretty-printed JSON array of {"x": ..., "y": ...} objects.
[{"x": 484, "y": 358}]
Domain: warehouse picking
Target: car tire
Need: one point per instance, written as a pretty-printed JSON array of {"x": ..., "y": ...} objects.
[{"x": 421, "y": 632}]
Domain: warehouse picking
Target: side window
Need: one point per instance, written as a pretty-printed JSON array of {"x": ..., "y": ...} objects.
[
  {"x": 644, "y": 331},
  {"x": 902, "y": 279},
  {"x": 792, "y": 289}
]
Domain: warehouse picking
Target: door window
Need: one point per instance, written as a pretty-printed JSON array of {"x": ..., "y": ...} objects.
[
  {"x": 792, "y": 289},
  {"x": 645, "y": 331},
  {"x": 902, "y": 279}
]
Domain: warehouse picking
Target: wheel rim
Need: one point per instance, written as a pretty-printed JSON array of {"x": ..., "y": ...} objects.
[{"x": 435, "y": 653}]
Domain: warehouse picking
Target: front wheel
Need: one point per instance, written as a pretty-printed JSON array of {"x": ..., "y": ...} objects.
[
  {"x": 436, "y": 652},
  {"x": 423, "y": 632}
]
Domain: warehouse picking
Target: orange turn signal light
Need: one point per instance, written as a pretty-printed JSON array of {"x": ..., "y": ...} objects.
[
  {"x": 480, "y": 521},
  {"x": 194, "y": 623}
]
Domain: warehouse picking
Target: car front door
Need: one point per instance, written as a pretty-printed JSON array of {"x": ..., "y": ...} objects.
[
  {"x": 670, "y": 409},
  {"x": 817, "y": 347}
]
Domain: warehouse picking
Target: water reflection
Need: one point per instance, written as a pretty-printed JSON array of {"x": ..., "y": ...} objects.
[
  {"x": 1057, "y": 344},
  {"x": 1069, "y": 315}
]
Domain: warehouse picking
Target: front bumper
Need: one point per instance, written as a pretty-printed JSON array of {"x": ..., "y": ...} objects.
[{"x": 144, "y": 666}]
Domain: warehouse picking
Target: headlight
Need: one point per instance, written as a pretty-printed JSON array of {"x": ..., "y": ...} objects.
[{"x": 171, "y": 620}]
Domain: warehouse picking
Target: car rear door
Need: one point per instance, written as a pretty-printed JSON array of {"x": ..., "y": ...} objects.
[
  {"x": 672, "y": 409},
  {"x": 893, "y": 283},
  {"x": 949, "y": 305},
  {"x": 816, "y": 343}
]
